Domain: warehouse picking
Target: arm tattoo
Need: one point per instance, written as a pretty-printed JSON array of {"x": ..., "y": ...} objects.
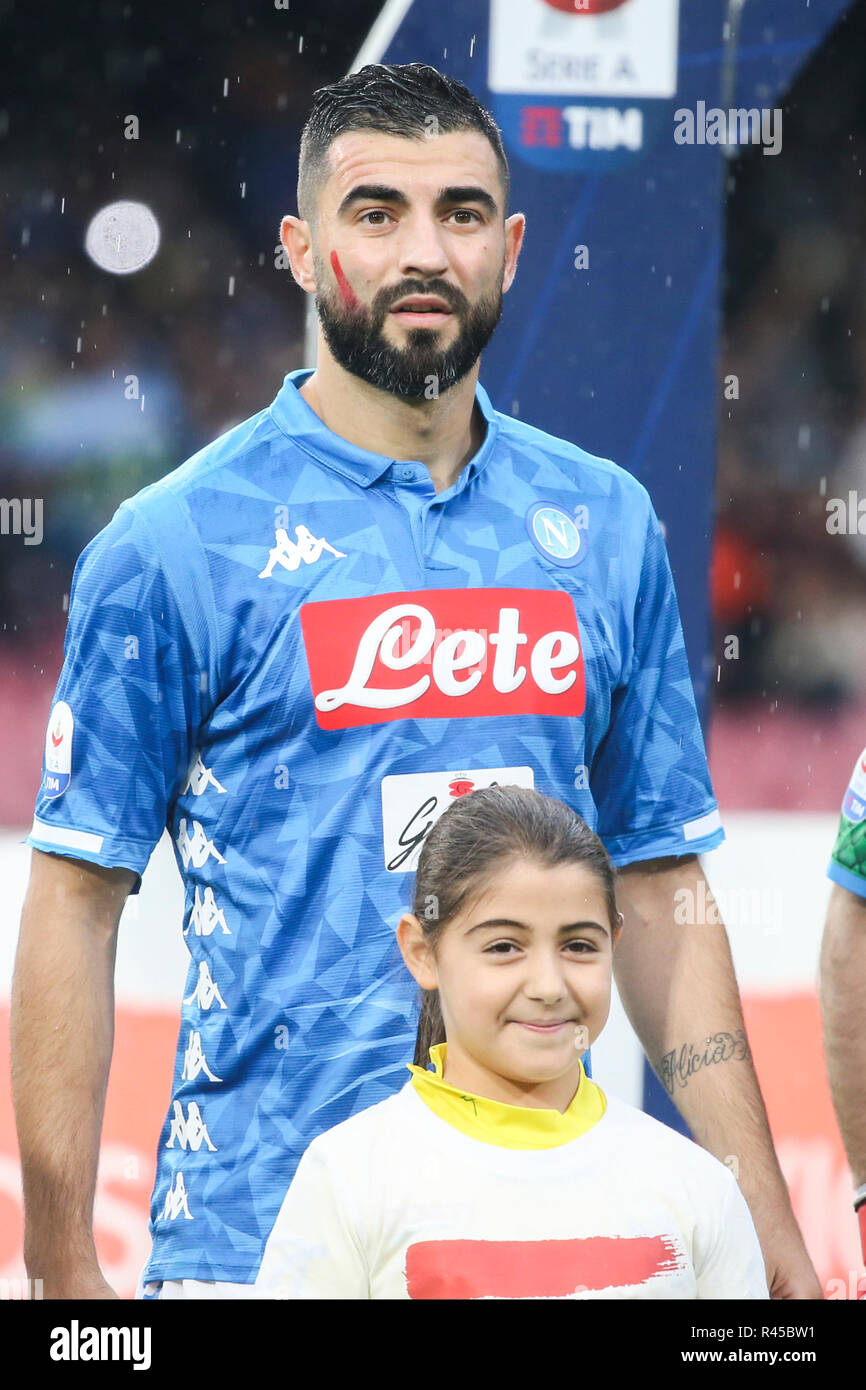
[{"x": 679, "y": 1066}]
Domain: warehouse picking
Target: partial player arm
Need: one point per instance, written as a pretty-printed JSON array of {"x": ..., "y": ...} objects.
[
  {"x": 651, "y": 784},
  {"x": 127, "y": 708},
  {"x": 678, "y": 987},
  {"x": 62, "y": 1028},
  {"x": 843, "y": 982},
  {"x": 843, "y": 998},
  {"x": 314, "y": 1250}
]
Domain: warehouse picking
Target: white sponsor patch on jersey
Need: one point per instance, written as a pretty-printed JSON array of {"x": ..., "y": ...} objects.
[
  {"x": 413, "y": 802},
  {"x": 57, "y": 770},
  {"x": 854, "y": 803}
]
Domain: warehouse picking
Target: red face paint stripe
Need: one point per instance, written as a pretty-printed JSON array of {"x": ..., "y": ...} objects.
[
  {"x": 347, "y": 294},
  {"x": 537, "y": 1268}
]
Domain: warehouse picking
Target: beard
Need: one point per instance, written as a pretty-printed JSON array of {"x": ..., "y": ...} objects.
[{"x": 357, "y": 339}]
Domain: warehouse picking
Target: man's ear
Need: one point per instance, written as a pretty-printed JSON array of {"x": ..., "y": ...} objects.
[
  {"x": 297, "y": 240},
  {"x": 617, "y": 931},
  {"x": 515, "y": 228},
  {"x": 417, "y": 951}
]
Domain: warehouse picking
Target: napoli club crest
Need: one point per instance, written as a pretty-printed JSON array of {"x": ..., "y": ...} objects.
[{"x": 555, "y": 534}]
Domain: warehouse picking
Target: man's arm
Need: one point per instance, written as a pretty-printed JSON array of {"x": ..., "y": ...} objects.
[
  {"x": 843, "y": 998},
  {"x": 62, "y": 1026},
  {"x": 677, "y": 983}
]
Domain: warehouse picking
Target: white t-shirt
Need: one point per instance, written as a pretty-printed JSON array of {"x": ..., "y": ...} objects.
[{"x": 396, "y": 1202}]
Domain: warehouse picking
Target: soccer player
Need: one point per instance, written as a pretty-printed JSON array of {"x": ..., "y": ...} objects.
[
  {"x": 375, "y": 595},
  {"x": 843, "y": 985},
  {"x": 507, "y": 1172}
]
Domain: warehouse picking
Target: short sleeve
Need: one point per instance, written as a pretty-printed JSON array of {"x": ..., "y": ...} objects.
[
  {"x": 728, "y": 1259},
  {"x": 314, "y": 1249},
  {"x": 649, "y": 779},
  {"x": 131, "y": 694},
  {"x": 848, "y": 860}
]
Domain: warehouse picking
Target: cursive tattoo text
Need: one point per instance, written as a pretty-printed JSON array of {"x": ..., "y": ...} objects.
[{"x": 679, "y": 1066}]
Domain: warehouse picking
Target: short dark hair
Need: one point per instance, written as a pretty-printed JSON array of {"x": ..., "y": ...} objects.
[
  {"x": 397, "y": 99},
  {"x": 476, "y": 837}
]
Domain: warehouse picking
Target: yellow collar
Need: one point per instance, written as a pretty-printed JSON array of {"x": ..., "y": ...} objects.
[{"x": 508, "y": 1126}]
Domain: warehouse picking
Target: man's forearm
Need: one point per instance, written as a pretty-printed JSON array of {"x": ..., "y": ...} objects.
[
  {"x": 676, "y": 979},
  {"x": 62, "y": 1036},
  {"x": 677, "y": 983},
  {"x": 843, "y": 991}
]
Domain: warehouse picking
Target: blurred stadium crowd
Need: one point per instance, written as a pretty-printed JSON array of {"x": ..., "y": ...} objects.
[
  {"x": 793, "y": 591},
  {"x": 109, "y": 381}
]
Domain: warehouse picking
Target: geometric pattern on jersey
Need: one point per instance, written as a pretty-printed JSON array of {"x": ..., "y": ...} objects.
[
  {"x": 227, "y": 675},
  {"x": 849, "y": 849}
]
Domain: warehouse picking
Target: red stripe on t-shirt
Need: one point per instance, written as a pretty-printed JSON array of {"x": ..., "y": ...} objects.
[{"x": 536, "y": 1268}]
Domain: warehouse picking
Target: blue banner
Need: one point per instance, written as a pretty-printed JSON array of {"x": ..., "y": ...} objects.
[{"x": 616, "y": 117}]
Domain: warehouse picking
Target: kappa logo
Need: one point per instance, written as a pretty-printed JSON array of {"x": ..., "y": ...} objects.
[
  {"x": 424, "y": 655},
  {"x": 190, "y": 1130},
  {"x": 195, "y": 849},
  {"x": 199, "y": 778},
  {"x": 195, "y": 1061},
  {"x": 206, "y": 991},
  {"x": 177, "y": 1200},
  {"x": 206, "y": 915},
  {"x": 290, "y": 554}
]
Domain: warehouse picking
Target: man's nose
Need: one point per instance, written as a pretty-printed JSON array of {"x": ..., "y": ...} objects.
[{"x": 422, "y": 253}]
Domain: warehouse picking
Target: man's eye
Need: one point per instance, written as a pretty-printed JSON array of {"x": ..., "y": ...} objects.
[
  {"x": 374, "y": 212},
  {"x": 466, "y": 212}
]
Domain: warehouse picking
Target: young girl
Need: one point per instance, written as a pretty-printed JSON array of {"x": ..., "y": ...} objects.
[{"x": 506, "y": 1172}]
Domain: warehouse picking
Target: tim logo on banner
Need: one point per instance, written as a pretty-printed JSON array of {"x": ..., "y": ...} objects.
[{"x": 582, "y": 84}]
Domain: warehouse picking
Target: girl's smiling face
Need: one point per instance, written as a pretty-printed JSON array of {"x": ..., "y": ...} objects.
[{"x": 519, "y": 971}]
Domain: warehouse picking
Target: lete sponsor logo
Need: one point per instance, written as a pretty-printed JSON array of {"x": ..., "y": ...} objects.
[{"x": 443, "y": 654}]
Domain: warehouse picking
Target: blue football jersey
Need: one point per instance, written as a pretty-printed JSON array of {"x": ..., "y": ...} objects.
[{"x": 293, "y": 653}]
